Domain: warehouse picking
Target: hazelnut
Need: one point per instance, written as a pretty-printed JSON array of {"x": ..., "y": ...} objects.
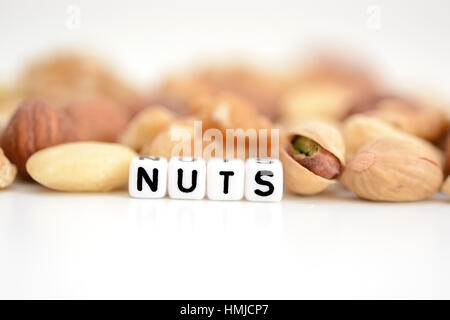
[{"x": 34, "y": 126}]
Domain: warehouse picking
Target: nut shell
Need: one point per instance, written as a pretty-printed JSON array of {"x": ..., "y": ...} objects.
[
  {"x": 299, "y": 179},
  {"x": 390, "y": 169}
]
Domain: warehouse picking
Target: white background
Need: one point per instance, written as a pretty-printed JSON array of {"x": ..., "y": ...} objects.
[{"x": 56, "y": 245}]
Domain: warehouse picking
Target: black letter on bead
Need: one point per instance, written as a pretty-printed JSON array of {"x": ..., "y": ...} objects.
[
  {"x": 226, "y": 175},
  {"x": 180, "y": 181},
  {"x": 258, "y": 180},
  {"x": 142, "y": 174}
]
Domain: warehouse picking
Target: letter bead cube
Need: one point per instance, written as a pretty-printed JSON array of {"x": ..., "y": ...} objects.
[
  {"x": 225, "y": 179},
  {"x": 187, "y": 178},
  {"x": 263, "y": 179},
  {"x": 148, "y": 177}
]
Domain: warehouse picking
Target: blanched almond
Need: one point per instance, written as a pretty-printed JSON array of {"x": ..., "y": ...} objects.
[{"x": 81, "y": 166}]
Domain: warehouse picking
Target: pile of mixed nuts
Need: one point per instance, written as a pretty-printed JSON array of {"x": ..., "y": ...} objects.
[{"x": 71, "y": 124}]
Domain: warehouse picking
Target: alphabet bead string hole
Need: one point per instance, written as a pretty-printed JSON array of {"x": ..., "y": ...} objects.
[{"x": 259, "y": 179}]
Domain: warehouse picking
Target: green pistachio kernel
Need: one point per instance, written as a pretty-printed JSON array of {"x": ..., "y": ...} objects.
[{"x": 305, "y": 146}]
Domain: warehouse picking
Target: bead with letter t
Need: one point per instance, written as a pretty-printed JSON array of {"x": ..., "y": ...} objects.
[
  {"x": 187, "y": 178},
  {"x": 148, "y": 177},
  {"x": 263, "y": 179},
  {"x": 225, "y": 179}
]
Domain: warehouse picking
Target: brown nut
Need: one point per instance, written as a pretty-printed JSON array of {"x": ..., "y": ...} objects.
[
  {"x": 225, "y": 111},
  {"x": 313, "y": 155},
  {"x": 35, "y": 126},
  {"x": 145, "y": 126},
  {"x": 413, "y": 115},
  {"x": 390, "y": 169},
  {"x": 96, "y": 119},
  {"x": 65, "y": 77},
  {"x": 8, "y": 171},
  {"x": 259, "y": 88},
  {"x": 359, "y": 130}
]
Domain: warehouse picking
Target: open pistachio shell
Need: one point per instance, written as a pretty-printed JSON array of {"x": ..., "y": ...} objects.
[{"x": 299, "y": 179}]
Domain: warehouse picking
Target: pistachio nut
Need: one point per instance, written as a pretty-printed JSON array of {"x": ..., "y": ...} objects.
[
  {"x": 313, "y": 155},
  {"x": 391, "y": 169}
]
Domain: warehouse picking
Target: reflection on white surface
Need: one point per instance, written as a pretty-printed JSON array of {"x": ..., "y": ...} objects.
[{"x": 111, "y": 246}]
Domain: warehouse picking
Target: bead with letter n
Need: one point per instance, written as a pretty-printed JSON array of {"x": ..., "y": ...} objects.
[{"x": 148, "y": 177}]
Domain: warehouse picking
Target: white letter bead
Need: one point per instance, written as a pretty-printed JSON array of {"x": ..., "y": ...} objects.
[
  {"x": 148, "y": 177},
  {"x": 263, "y": 179},
  {"x": 225, "y": 179},
  {"x": 187, "y": 178}
]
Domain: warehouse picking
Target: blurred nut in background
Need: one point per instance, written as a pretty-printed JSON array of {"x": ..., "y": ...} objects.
[
  {"x": 145, "y": 126},
  {"x": 331, "y": 66},
  {"x": 177, "y": 93},
  {"x": 412, "y": 115},
  {"x": 175, "y": 140},
  {"x": 313, "y": 156},
  {"x": 8, "y": 171},
  {"x": 9, "y": 101},
  {"x": 96, "y": 119},
  {"x": 325, "y": 89},
  {"x": 226, "y": 111},
  {"x": 447, "y": 152},
  {"x": 65, "y": 77},
  {"x": 316, "y": 101},
  {"x": 260, "y": 89},
  {"x": 390, "y": 169}
]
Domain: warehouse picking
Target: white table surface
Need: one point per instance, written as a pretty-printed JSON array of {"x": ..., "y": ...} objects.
[{"x": 59, "y": 245}]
